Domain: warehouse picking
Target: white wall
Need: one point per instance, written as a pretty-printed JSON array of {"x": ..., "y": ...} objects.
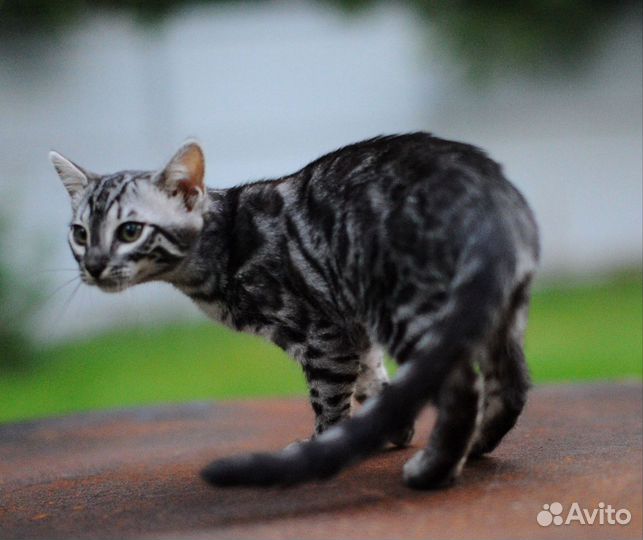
[{"x": 270, "y": 87}]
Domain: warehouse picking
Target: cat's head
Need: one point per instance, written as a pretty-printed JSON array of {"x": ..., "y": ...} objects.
[{"x": 134, "y": 226}]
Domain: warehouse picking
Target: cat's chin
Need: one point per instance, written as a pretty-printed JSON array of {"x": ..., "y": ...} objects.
[{"x": 111, "y": 286}]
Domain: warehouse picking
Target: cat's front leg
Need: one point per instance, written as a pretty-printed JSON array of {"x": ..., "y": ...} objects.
[
  {"x": 331, "y": 391},
  {"x": 331, "y": 400},
  {"x": 373, "y": 376},
  {"x": 330, "y": 357}
]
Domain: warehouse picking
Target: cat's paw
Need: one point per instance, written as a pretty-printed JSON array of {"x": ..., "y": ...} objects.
[
  {"x": 478, "y": 450},
  {"x": 403, "y": 437},
  {"x": 428, "y": 470}
]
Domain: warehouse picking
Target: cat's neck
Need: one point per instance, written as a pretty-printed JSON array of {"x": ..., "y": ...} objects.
[{"x": 203, "y": 273}]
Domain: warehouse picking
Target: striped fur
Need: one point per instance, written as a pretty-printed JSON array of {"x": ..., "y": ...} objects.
[{"x": 410, "y": 245}]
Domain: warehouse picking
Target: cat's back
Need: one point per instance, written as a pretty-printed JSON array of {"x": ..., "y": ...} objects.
[
  {"x": 411, "y": 189},
  {"x": 391, "y": 165},
  {"x": 386, "y": 172},
  {"x": 398, "y": 187}
]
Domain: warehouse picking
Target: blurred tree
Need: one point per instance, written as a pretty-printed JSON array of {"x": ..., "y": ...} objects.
[
  {"x": 488, "y": 36},
  {"x": 530, "y": 36}
]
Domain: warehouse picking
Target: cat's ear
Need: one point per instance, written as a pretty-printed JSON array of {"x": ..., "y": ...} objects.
[
  {"x": 184, "y": 175},
  {"x": 73, "y": 177}
]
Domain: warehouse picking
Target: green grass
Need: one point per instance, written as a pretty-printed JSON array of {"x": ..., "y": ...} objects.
[
  {"x": 589, "y": 332},
  {"x": 582, "y": 333}
]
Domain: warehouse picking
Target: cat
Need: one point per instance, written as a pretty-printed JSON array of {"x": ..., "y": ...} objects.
[{"x": 408, "y": 244}]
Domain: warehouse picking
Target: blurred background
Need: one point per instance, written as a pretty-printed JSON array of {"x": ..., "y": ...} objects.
[{"x": 551, "y": 89}]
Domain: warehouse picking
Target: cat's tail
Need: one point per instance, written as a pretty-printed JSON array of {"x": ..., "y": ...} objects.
[{"x": 478, "y": 295}]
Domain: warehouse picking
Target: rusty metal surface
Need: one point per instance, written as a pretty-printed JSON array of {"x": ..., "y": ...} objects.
[{"x": 131, "y": 474}]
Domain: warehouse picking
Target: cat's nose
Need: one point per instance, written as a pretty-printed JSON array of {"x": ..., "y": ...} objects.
[{"x": 95, "y": 263}]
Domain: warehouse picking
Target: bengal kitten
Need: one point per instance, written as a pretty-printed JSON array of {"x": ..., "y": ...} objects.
[{"x": 406, "y": 244}]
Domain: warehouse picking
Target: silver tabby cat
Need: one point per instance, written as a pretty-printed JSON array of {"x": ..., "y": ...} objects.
[{"x": 408, "y": 244}]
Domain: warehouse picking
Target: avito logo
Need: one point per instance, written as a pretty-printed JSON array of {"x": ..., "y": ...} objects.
[{"x": 601, "y": 515}]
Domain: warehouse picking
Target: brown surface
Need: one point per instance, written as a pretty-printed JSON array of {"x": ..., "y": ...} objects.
[{"x": 135, "y": 473}]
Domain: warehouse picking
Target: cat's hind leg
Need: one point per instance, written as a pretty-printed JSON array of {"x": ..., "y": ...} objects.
[
  {"x": 459, "y": 416},
  {"x": 506, "y": 378}
]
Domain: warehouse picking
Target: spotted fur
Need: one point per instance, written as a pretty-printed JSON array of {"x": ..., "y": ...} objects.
[{"x": 410, "y": 245}]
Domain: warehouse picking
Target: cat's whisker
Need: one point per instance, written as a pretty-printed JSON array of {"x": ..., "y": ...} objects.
[
  {"x": 61, "y": 287},
  {"x": 67, "y": 302},
  {"x": 53, "y": 330}
]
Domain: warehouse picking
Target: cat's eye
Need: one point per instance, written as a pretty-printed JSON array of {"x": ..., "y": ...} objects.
[
  {"x": 129, "y": 231},
  {"x": 79, "y": 234}
]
